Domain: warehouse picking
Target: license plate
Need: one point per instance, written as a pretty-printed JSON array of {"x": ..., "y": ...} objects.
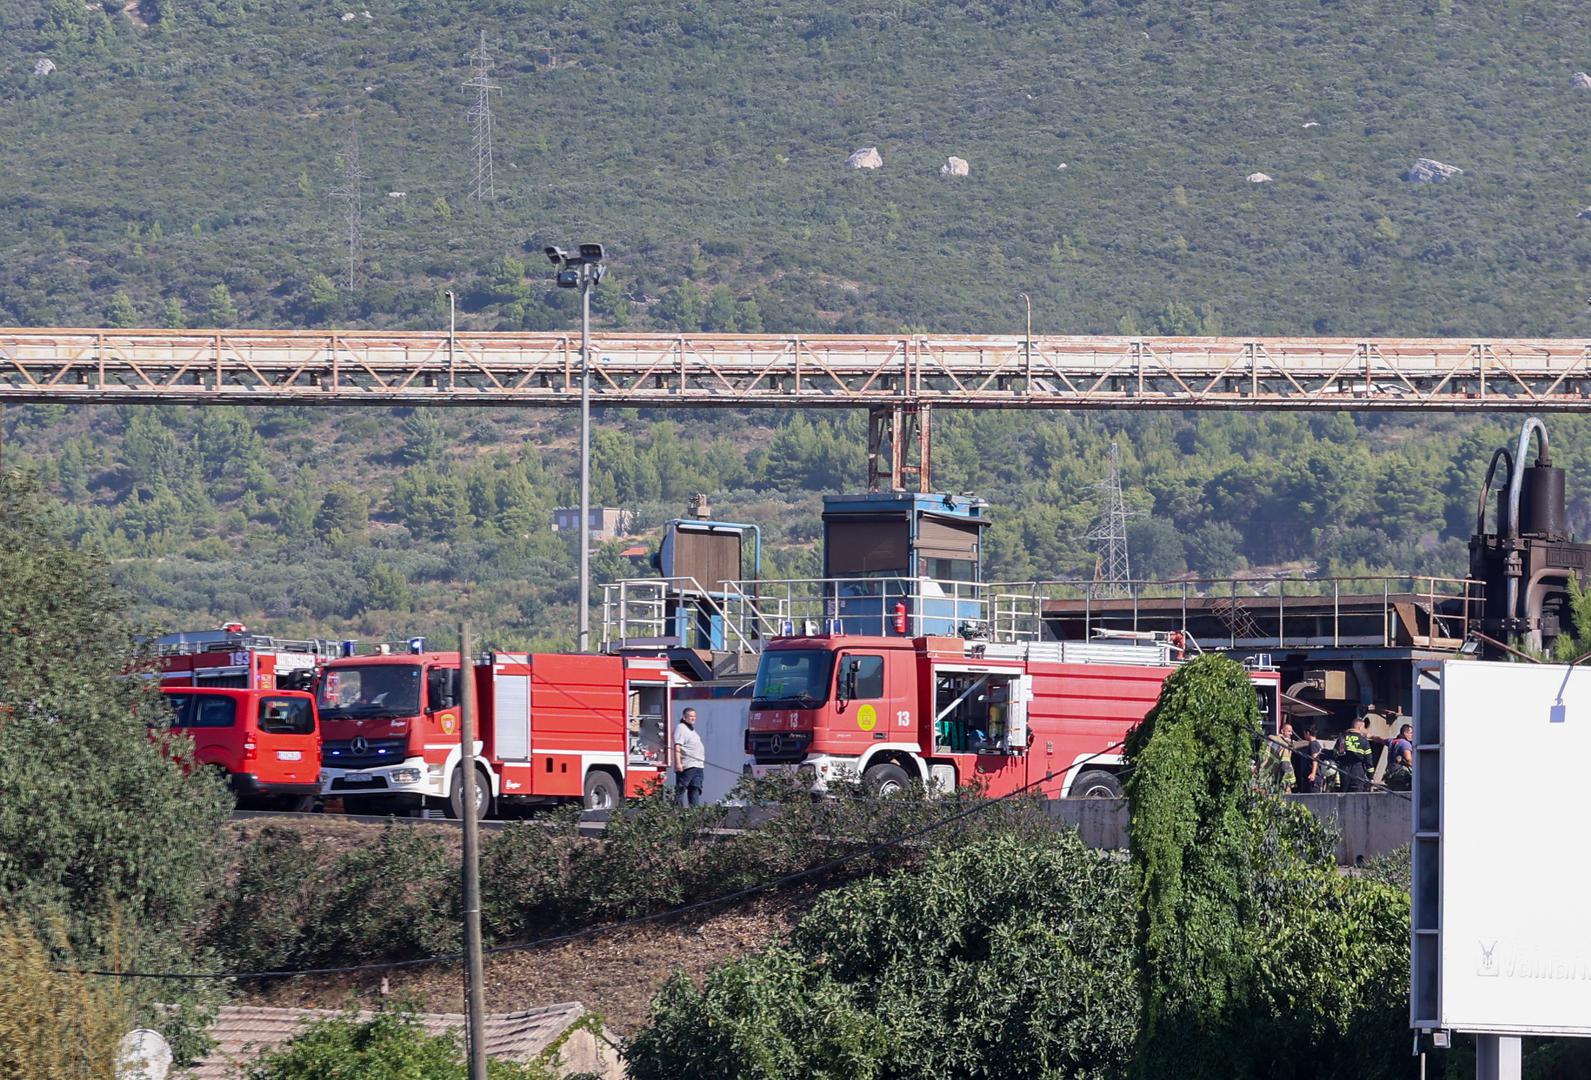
[
  {"x": 289, "y": 755},
  {"x": 356, "y": 778}
]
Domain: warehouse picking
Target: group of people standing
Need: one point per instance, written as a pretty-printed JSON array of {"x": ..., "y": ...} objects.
[{"x": 1302, "y": 763}]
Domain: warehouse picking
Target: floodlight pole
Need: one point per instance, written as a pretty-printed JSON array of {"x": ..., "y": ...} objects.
[
  {"x": 587, "y": 275},
  {"x": 1497, "y": 1057}
]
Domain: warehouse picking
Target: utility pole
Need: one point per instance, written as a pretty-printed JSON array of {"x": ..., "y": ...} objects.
[
  {"x": 1112, "y": 571},
  {"x": 480, "y": 116},
  {"x": 352, "y": 192},
  {"x": 474, "y": 963}
]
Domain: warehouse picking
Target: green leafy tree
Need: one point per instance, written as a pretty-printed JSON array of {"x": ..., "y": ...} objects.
[
  {"x": 174, "y": 319},
  {"x": 431, "y": 504},
  {"x": 387, "y": 588},
  {"x": 609, "y": 300},
  {"x": 424, "y": 438},
  {"x": 220, "y": 308},
  {"x": 721, "y": 315},
  {"x": 683, "y": 308},
  {"x": 121, "y": 313},
  {"x": 318, "y": 300},
  {"x": 116, "y": 854},
  {"x": 1254, "y": 953},
  {"x": 344, "y": 514}
]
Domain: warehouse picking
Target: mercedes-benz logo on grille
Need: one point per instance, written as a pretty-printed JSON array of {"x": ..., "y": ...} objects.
[
  {"x": 361, "y": 745},
  {"x": 775, "y": 744}
]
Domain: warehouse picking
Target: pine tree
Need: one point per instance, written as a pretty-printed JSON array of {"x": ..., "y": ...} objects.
[{"x": 221, "y": 310}]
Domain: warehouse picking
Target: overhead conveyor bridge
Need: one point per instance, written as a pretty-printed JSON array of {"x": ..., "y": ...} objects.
[{"x": 266, "y": 367}]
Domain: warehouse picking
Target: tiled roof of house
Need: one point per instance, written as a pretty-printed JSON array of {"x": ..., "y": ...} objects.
[{"x": 243, "y": 1032}]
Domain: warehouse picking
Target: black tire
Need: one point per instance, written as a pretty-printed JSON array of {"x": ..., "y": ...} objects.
[
  {"x": 483, "y": 796},
  {"x": 602, "y": 791},
  {"x": 1095, "y": 784},
  {"x": 885, "y": 780}
]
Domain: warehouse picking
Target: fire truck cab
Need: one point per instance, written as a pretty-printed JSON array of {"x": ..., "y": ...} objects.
[
  {"x": 949, "y": 712},
  {"x": 552, "y": 728}
]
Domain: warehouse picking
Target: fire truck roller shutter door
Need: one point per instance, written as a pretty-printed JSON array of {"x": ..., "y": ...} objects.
[{"x": 511, "y": 716}]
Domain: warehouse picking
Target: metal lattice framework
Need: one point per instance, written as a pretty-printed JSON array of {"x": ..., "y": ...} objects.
[{"x": 248, "y": 367}]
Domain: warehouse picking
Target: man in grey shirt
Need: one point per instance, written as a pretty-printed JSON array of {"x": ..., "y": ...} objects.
[{"x": 690, "y": 760}]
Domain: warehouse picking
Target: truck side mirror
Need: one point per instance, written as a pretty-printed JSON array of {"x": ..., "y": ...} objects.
[
  {"x": 442, "y": 688},
  {"x": 848, "y": 682}
]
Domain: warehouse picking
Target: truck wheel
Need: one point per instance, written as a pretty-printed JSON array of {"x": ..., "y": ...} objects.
[
  {"x": 602, "y": 791},
  {"x": 483, "y": 796},
  {"x": 885, "y": 779},
  {"x": 1095, "y": 784}
]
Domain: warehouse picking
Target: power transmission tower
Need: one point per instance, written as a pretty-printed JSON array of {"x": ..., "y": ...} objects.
[
  {"x": 480, "y": 116},
  {"x": 352, "y": 192},
  {"x": 1112, "y": 569}
]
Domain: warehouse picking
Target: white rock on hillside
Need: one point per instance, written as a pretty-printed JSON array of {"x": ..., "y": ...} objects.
[
  {"x": 1581, "y": 81},
  {"x": 1585, "y": 214},
  {"x": 43, "y": 66},
  {"x": 1429, "y": 171},
  {"x": 867, "y": 157},
  {"x": 1311, "y": 123},
  {"x": 1258, "y": 178},
  {"x": 349, "y": 16},
  {"x": 954, "y": 166}
]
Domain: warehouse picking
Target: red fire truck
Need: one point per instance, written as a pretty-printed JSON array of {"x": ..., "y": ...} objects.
[
  {"x": 553, "y": 727},
  {"x": 949, "y": 712},
  {"x": 230, "y": 656}
]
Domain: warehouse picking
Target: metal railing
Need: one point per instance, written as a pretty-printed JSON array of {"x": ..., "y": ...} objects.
[
  {"x": 1421, "y": 611},
  {"x": 667, "y": 612},
  {"x": 1424, "y": 611},
  {"x": 881, "y": 606}
]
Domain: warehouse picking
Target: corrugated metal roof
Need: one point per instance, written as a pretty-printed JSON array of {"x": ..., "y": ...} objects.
[{"x": 243, "y": 1032}]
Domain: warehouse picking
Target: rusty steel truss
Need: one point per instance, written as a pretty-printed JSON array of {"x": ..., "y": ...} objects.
[{"x": 264, "y": 367}]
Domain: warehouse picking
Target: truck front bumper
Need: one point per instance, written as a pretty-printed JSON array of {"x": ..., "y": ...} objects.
[
  {"x": 817, "y": 771},
  {"x": 410, "y": 778}
]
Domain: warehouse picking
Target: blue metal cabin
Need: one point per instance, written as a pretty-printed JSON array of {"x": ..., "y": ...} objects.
[{"x": 904, "y": 564}]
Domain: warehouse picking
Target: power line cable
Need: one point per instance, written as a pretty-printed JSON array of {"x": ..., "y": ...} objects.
[{"x": 591, "y": 931}]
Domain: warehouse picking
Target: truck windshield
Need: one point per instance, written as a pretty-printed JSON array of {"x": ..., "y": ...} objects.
[
  {"x": 370, "y": 691},
  {"x": 798, "y": 677}
]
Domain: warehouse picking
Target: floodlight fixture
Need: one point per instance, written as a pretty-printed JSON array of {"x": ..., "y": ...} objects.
[
  {"x": 591, "y": 252},
  {"x": 569, "y": 278},
  {"x": 555, "y": 255}
]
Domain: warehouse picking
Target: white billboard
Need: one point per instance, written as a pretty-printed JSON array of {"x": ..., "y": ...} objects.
[{"x": 1502, "y": 937}]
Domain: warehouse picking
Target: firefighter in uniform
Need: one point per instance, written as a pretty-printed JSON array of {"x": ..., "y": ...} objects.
[{"x": 1354, "y": 757}]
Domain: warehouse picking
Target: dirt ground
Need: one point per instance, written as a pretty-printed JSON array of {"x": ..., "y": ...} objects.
[{"x": 613, "y": 973}]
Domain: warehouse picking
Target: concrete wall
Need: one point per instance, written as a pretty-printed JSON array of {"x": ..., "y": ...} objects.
[{"x": 1369, "y": 824}]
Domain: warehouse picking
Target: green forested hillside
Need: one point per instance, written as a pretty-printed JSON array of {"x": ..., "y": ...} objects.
[
  {"x": 183, "y": 161},
  {"x": 186, "y": 143}
]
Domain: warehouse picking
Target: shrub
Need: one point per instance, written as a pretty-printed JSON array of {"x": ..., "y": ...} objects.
[
  {"x": 53, "y": 1027},
  {"x": 1009, "y": 957},
  {"x": 394, "y": 898}
]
